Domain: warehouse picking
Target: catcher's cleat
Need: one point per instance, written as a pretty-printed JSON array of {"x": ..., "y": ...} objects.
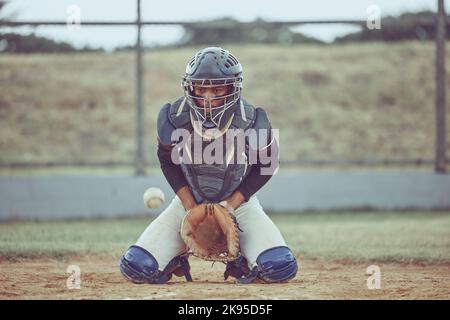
[
  {"x": 179, "y": 266},
  {"x": 249, "y": 278},
  {"x": 274, "y": 265},
  {"x": 237, "y": 268},
  {"x": 240, "y": 270}
]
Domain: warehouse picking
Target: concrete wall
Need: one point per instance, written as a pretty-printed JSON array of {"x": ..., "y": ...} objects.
[{"x": 73, "y": 196}]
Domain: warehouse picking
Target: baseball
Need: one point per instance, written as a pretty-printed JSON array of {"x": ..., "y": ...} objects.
[{"x": 153, "y": 197}]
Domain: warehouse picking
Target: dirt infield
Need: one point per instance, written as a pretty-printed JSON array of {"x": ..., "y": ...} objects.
[{"x": 317, "y": 279}]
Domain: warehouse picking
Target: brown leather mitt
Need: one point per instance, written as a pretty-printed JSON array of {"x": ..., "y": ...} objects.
[{"x": 211, "y": 232}]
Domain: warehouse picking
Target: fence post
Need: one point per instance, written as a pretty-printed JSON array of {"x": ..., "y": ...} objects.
[
  {"x": 441, "y": 25},
  {"x": 140, "y": 157}
]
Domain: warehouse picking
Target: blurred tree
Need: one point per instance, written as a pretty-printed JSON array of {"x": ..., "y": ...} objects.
[
  {"x": 3, "y": 15},
  {"x": 227, "y": 30},
  {"x": 3, "y": 4},
  {"x": 408, "y": 26},
  {"x": 13, "y": 42}
]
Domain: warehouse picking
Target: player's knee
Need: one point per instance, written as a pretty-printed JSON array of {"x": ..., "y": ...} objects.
[
  {"x": 139, "y": 266},
  {"x": 277, "y": 264}
]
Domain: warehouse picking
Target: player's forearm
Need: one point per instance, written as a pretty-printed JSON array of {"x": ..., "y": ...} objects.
[
  {"x": 175, "y": 177},
  {"x": 261, "y": 172},
  {"x": 186, "y": 197},
  {"x": 236, "y": 199},
  {"x": 252, "y": 183},
  {"x": 171, "y": 171}
]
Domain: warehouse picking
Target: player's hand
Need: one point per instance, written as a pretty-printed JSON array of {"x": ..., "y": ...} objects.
[{"x": 235, "y": 200}]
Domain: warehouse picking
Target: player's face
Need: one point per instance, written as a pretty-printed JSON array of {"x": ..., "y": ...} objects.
[{"x": 210, "y": 95}]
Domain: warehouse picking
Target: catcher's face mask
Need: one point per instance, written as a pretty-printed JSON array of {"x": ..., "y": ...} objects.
[
  {"x": 212, "y": 67},
  {"x": 210, "y": 99}
]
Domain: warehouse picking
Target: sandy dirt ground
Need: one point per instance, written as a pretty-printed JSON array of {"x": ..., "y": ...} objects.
[{"x": 317, "y": 279}]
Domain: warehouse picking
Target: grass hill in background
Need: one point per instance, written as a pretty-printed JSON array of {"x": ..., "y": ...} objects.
[{"x": 370, "y": 101}]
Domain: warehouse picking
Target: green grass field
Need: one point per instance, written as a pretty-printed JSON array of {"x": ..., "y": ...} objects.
[
  {"x": 368, "y": 100},
  {"x": 358, "y": 236}
]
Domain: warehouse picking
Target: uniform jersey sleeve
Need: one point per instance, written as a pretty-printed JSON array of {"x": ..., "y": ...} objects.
[
  {"x": 172, "y": 172},
  {"x": 267, "y": 151}
]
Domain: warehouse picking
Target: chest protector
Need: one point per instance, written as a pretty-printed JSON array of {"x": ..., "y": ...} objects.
[{"x": 212, "y": 181}]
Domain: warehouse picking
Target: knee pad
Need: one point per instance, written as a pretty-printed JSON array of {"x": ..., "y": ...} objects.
[
  {"x": 276, "y": 264},
  {"x": 139, "y": 266}
]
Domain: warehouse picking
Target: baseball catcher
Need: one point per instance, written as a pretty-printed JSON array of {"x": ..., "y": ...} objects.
[{"x": 216, "y": 151}]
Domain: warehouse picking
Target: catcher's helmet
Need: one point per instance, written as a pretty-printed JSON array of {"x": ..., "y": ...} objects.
[{"x": 212, "y": 67}]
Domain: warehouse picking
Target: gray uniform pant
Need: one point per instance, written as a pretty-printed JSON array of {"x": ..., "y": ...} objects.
[{"x": 162, "y": 237}]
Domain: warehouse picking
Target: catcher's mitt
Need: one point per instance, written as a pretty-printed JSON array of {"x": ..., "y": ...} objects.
[{"x": 211, "y": 232}]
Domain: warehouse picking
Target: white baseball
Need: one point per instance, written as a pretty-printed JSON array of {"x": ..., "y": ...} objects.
[{"x": 153, "y": 197}]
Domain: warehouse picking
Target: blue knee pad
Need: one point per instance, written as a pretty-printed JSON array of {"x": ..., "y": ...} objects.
[
  {"x": 276, "y": 264},
  {"x": 139, "y": 266}
]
